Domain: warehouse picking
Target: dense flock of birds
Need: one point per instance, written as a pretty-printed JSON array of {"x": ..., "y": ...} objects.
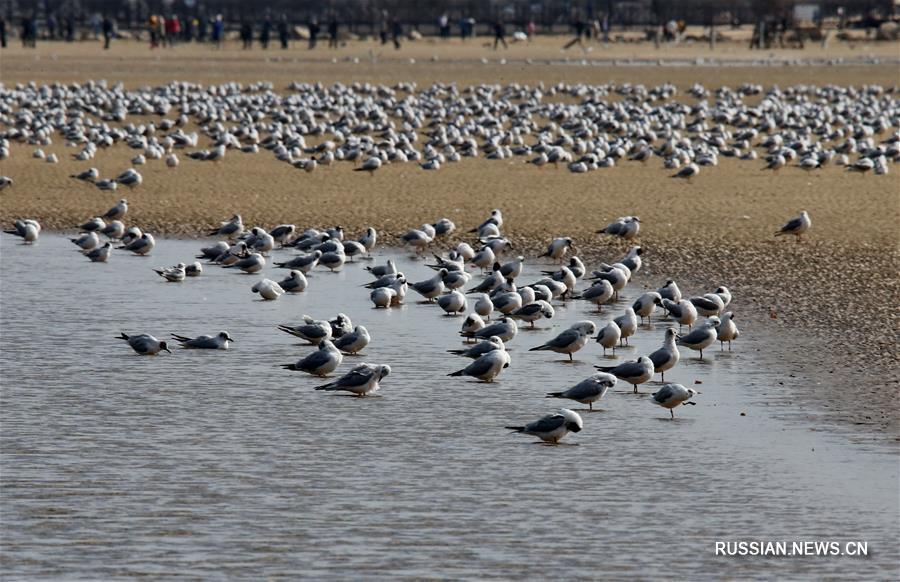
[
  {"x": 481, "y": 281},
  {"x": 579, "y": 126}
]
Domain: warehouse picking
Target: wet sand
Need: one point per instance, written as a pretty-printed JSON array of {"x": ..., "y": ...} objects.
[{"x": 829, "y": 295}]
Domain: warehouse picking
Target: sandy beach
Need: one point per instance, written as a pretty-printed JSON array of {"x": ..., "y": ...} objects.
[{"x": 832, "y": 295}]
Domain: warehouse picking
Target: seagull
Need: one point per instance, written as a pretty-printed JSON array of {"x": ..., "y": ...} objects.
[
  {"x": 389, "y": 268},
  {"x": 130, "y": 178},
  {"x": 362, "y": 380},
  {"x": 486, "y": 367},
  {"x": 670, "y": 291},
  {"x": 484, "y": 306},
  {"x": 534, "y": 311},
  {"x": 667, "y": 356},
  {"x": 443, "y": 227},
  {"x": 636, "y": 372},
  {"x": 598, "y": 293},
  {"x": 512, "y": 269},
  {"x": 431, "y": 288},
  {"x": 589, "y": 390},
  {"x": 174, "y": 274},
  {"x": 313, "y": 331},
  {"x": 194, "y": 269},
  {"x": 268, "y": 289},
  {"x": 553, "y": 427},
  {"x": 557, "y": 248},
  {"x": 702, "y": 337},
  {"x": 453, "y": 302},
  {"x": 627, "y": 324},
  {"x": 709, "y": 304},
  {"x": 727, "y": 331},
  {"x": 626, "y": 227},
  {"x": 303, "y": 263},
  {"x": 683, "y": 312},
  {"x": 213, "y": 251},
  {"x": 370, "y": 165},
  {"x": 481, "y": 348},
  {"x": 87, "y": 241},
  {"x": 354, "y": 341},
  {"x": 340, "y": 325},
  {"x": 383, "y": 297},
  {"x": 796, "y": 226},
  {"x": 29, "y": 230},
  {"x": 608, "y": 337},
  {"x": 321, "y": 362},
  {"x": 107, "y": 185},
  {"x": 687, "y": 172},
  {"x": 295, "y": 282},
  {"x": 94, "y": 224},
  {"x": 671, "y": 395},
  {"x": 99, "y": 254},
  {"x": 231, "y": 228},
  {"x": 251, "y": 264},
  {"x": 5, "y": 182},
  {"x": 645, "y": 304},
  {"x": 88, "y": 175},
  {"x": 118, "y": 211},
  {"x": 141, "y": 246},
  {"x": 114, "y": 230},
  {"x": 570, "y": 340},
  {"x": 145, "y": 344},
  {"x": 205, "y": 342}
]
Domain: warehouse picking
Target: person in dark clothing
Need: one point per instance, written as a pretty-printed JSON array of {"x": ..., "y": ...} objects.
[
  {"x": 51, "y": 27},
  {"x": 499, "y": 35},
  {"x": 384, "y": 32},
  {"x": 2, "y": 33},
  {"x": 333, "y": 33},
  {"x": 284, "y": 33},
  {"x": 313, "y": 33},
  {"x": 29, "y": 33},
  {"x": 247, "y": 35},
  {"x": 396, "y": 32},
  {"x": 579, "y": 31},
  {"x": 107, "y": 32},
  {"x": 266, "y": 33},
  {"x": 70, "y": 29}
]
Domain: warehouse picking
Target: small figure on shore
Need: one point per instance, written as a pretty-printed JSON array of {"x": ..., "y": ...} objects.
[{"x": 499, "y": 34}]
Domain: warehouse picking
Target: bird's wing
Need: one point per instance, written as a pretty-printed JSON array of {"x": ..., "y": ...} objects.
[{"x": 547, "y": 424}]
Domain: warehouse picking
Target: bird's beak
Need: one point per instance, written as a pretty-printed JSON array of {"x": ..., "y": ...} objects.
[{"x": 168, "y": 350}]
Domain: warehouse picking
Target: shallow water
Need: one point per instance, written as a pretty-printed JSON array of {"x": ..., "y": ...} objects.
[{"x": 222, "y": 464}]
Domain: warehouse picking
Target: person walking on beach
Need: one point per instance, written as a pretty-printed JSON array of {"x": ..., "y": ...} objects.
[
  {"x": 70, "y": 28},
  {"x": 173, "y": 29},
  {"x": 384, "y": 32},
  {"x": 284, "y": 32},
  {"x": 396, "y": 32},
  {"x": 107, "y": 32},
  {"x": 266, "y": 33},
  {"x": 579, "y": 31},
  {"x": 313, "y": 33},
  {"x": 218, "y": 30},
  {"x": 333, "y": 33},
  {"x": 29, "y": 33},
  {"x": 444, "y": 26},
  {"x": 247, "y": 35},
  {"x": 2, "y": 32},
  {"x": 499, "y": 34}
]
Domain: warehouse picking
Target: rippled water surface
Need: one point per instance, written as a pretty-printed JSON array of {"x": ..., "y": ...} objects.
[{"x": 222, "y": 464}]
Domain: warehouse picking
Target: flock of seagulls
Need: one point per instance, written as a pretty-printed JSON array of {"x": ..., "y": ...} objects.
[
  {"x": 479, "y": 280},
  {"x": 582, "y": 127}
]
